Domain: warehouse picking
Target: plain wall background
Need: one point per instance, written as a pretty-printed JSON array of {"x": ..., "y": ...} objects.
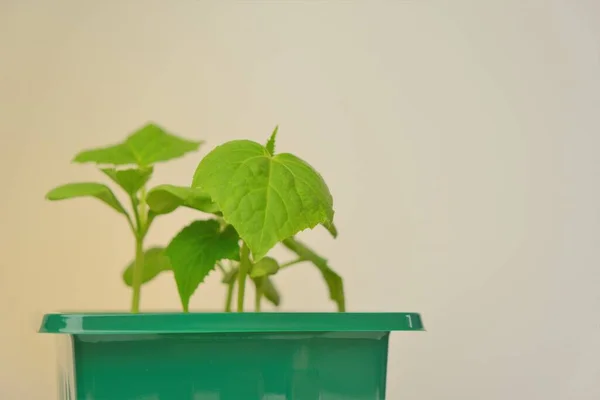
[{"x": 460, "y": 140}]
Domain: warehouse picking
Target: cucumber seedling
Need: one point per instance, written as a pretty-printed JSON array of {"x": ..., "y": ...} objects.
[
  {"x": 261, "y": 199},
  {"x": 130, "y": 165},
  {"x": 256, "y": 199}
]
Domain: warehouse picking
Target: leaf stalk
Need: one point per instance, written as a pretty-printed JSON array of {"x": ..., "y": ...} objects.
[
  {"x": 245, "y": 265},
  {"x": 140, "y": 230},
  {"x": 259, "y": 294}
]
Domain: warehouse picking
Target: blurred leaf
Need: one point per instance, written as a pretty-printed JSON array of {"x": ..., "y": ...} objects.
[
  {"x": 334, "y": 282},
  {"x": 266, "y": 266},
  {"x": 269, "y": 290},
  {"x": 146, "y": 146},
  {"x": 331, "y": 228},
  {"x": 130, "y": 180},
  {"x": 86, "y": 189},
  {"x": 230, "y": 276},
  {"x": 155, "y": 262},
  {"x": 164, "y": 199}
]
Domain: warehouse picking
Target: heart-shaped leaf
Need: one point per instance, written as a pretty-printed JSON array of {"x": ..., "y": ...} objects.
[
  {"x": 86, "y": 189},
  {"x": 334, "y": 282},
  {"x": 131, "y": 180},
  {"x": 266, "y": 198},
  {"x": 148, "y": 145},
  {"x": 266, "y": 266},
  {"x": 194, "y": 251},
  {"x": 164, "y": 199},
  {"x": 155, "y": 262}
]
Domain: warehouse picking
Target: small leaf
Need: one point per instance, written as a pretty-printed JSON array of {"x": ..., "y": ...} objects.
[
  {"x": 266, "y": 266},
  {"x": 269, "y": 290},
  {"x": 266, "y": 198},
  {"x": 130, "y": 180},
  {"x": 155, "y": 262},
  {"x": 230, "y": 276},
  {"x": 334, "y": 282},
  {"x": 148, "y": 145},
  {"x": 194, "y": 251},
  {"x": 164, "y": 199},
  {"x": 271, "y": 142},
  {"x": 86, "y": 189}
]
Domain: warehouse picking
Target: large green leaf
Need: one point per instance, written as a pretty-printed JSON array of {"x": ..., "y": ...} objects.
[
  {"x": 164, "y": 199},
  {"x": 86, "y": 189},
  {"x": 148, "y": 145},
  {"x": 266, "y": 198},
  {"x": 131, "y": 180},
  {"x": 194, "y": 252},
  {"x": 155, "y": 262},
  {"x": 334, "y": 282}
]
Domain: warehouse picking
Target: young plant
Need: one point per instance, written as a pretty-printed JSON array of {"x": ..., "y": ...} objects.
[
  {"x": 259, "y": 199},
  {"x": 139, "y": 152}
]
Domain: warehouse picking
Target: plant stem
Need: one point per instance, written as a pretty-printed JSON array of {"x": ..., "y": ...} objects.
[
  {"x": 229, "y": 299},
  {"x": 138, "y": 270},
  {"x": 131, "y": 225},
  {"x": 243, "y": 271},
  {"x": 141, "y": 219},
  {"x": 143, "y": 210},
  {"x": 259, "y": 294},
  {"x": 335, "y": 284},
  {"x": 290, "y": 263}
]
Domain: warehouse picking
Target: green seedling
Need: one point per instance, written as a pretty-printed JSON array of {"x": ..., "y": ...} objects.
[
  {"x": 130, "y": 165},
  {"x": 259, "y": 199},
  {"x": 256, "y": 200}
]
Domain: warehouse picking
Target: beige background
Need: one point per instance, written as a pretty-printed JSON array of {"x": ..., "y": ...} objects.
[{"x": 460, "y": 140}]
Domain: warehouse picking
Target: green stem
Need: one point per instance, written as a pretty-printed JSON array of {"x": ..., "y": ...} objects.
[
  {"x": 141, "y": 218},
  {"x": 143, "y": 210},
  {"x": 131, "y": 224},
  {"x": 259, "y": 294},
  {"x": 149, "y": 221},
  {"x": 138, "y": 270},
  {"x": 290, "y": 263},
  {"x": 136, "y": 216},
  {"x": 334, "y": 282},
  {"x": 243, "y": 272},
  {"x": 229, "y": 299}
]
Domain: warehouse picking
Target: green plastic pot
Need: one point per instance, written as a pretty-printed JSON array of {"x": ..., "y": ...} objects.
[{"x": 225, "y": 356}]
